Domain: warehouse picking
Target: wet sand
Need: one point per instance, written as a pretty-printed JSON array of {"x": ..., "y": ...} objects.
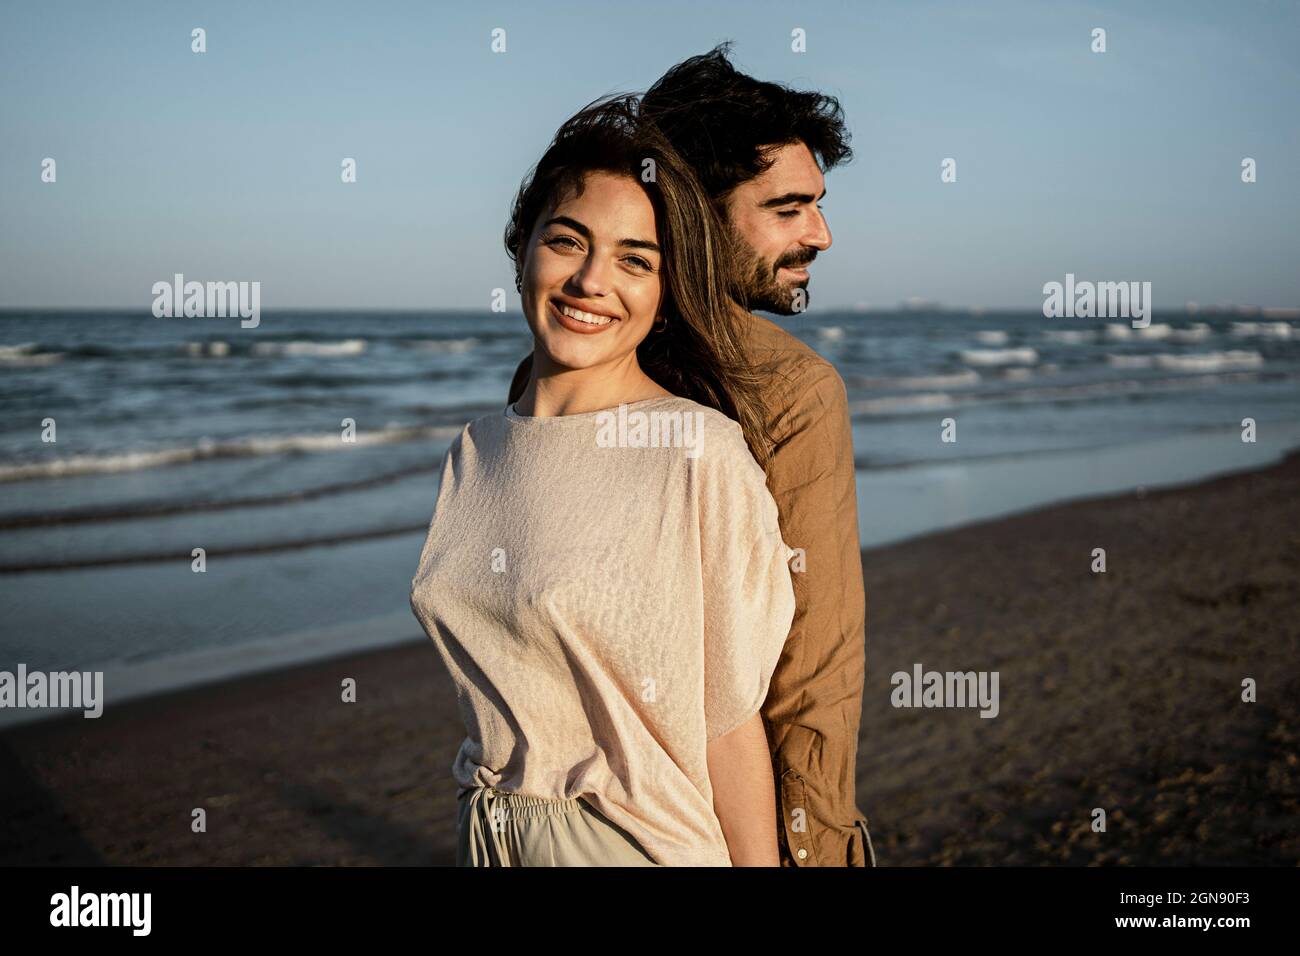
[{"x": 1119, "y": 691}]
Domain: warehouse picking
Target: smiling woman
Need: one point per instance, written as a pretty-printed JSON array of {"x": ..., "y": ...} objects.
[
  {"x": 612, "y": 223},
  {"x": 612, "y": 718},
  {"x": 593, "y": 264}
]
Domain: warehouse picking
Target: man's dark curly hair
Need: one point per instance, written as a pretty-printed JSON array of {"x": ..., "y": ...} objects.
[{"x": 724, "y": 122}]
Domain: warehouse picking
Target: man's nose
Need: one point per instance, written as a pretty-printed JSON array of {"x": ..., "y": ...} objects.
[{"x": 819, "y": 233}]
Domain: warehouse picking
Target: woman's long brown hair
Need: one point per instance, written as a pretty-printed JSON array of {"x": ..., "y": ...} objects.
[{"x": 698, "y": 354}]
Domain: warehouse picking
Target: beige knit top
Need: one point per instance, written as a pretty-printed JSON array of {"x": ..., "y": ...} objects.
[{"x": 609, "y": 591}]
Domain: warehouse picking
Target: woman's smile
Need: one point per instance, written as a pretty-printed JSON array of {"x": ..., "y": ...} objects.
[{"x": 579, "y": 320}]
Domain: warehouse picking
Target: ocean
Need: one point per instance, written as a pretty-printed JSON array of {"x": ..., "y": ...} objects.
[{"x": 181, "y": 433}]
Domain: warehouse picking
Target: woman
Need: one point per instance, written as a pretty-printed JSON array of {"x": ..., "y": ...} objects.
[{"x": 604, "y": 575}]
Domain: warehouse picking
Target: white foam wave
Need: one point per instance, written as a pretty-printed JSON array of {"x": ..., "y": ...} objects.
[
  {"x": 1262, "y": 330},
  {"x": 1210, "y": 361},
  {"x": 1155, "y": 331},
  {"x": 208, "y": 448},
  {"x": 25, "y": 354},
  {"x": 895, "y": 404},
  {"x": 444, "y": 345},
  {"x": 965, "y": 377},
  {"x": 991, "y": 337},
  {"x": 217, "y": 349},
  {"x": 1085, "y": 391},
  {"x": 1116, "y": 387},
  {"x": 1196, "y": 332},
  {"x": 1022, "y": 356},
  {"x": 41, "y": 358},
  {"x": 315, "y": 349},
  {"x": 1069, "y": 336}
]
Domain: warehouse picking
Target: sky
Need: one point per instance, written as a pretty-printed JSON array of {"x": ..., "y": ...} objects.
[{"x": 225, "y": 165}]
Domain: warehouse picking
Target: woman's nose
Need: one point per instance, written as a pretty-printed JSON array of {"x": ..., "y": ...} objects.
[{"x": 593, "y": 277}]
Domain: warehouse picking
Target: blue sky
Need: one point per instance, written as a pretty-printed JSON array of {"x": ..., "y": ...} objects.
[{"x": 225, "y": 165}]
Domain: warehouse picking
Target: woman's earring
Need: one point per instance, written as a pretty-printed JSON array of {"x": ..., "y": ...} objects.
[{"x": 660, "y": 325}]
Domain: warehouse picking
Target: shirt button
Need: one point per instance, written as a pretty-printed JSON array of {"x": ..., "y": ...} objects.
[{"x": 803, "y": 854}]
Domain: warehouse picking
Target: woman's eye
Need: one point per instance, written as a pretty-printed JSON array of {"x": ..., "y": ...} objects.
[
  {"x": 639, "y": 263},
  {"x": 567, "y": 242}
]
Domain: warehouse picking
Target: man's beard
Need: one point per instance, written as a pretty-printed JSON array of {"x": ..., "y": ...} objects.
[{"x": 759, "y": 284}]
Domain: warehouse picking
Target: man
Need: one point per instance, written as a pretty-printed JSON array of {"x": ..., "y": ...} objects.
[{"x": 760, "y": 150}]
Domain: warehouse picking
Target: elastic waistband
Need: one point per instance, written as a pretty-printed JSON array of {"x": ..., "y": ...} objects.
[{"x": 521, "y": 806}]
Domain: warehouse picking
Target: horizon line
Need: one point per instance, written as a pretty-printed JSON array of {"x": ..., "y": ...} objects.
[{"x": 1189, "y": 308}]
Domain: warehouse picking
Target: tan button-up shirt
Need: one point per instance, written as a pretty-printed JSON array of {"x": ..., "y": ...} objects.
[{"x": 814, "y": 704}]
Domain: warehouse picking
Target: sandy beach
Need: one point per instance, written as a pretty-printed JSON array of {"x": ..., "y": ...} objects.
[{"x": 1119, "y": 690}]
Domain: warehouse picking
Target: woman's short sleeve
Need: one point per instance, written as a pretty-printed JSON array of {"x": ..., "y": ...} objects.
[{"x": 748, "y": 595}]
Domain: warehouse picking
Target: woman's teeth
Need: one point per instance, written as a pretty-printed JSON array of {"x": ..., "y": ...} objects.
[{"x": 581, "y": 316}]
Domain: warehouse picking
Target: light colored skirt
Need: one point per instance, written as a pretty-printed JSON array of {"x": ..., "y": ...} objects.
[{"x": 496, "y": 828}]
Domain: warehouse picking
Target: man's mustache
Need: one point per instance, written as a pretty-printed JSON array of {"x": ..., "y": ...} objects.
[{"x": 796, "y": 260}]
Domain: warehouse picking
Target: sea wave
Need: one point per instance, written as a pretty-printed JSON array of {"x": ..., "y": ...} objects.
[
  {"x": 1211, "y": 376},
  {"x": 209, "y": 448},
  {"x": 1021, "y": 356},
  {"x": 455, "y": 346},
  {"x": 1210, "y": 361},
  {"x": 1196, "y": 332},
  {"x": 1194, "y": 362},
  {"x": 1153, "y": 332},
  {"x": 34, "y": 353},
  {"x": 1262, "y": 330},
  {"x": 1130, "y": 361},
  {"x": 86, "y": 514},
  {"x": 300, "y": 347},
  {"x": 901, "y": 404},
  {"x": 966, "y": 376},
  {"x": 27, "y": 353},
  {"x": 1070, "y": 336},
  {"x": 216, "y": 348}
]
